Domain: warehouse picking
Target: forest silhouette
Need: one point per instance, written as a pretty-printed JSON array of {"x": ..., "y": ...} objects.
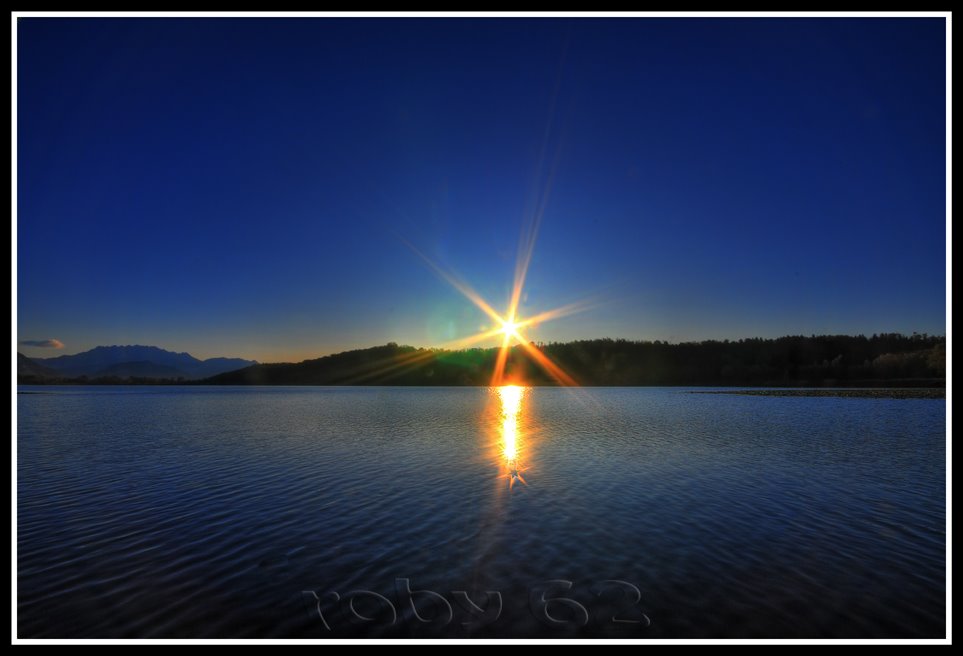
[
  {"x": 837, "y": 360},
  {"x": 882, "y": 360}
]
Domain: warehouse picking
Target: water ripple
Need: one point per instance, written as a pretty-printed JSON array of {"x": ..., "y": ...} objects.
[{"x": 209, "y": 512}]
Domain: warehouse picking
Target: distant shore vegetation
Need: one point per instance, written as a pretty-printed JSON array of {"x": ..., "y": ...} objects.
[{"x": 881, "y": 360}]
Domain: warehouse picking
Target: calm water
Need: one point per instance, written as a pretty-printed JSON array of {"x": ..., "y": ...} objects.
[{"x": 311, "y": 512}]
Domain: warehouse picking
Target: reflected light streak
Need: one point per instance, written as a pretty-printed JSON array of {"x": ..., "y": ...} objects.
[
  {"x": 511, "y": 396},
  {"x": 511, "y": 402}
]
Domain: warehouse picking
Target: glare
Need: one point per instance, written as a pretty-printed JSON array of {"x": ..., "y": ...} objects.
[
  {"x": 511, "y": 397},
  {"x": 510, "y": 328}
]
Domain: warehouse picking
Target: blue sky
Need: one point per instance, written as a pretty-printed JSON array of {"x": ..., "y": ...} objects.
[{"x": 245, "y": 187}]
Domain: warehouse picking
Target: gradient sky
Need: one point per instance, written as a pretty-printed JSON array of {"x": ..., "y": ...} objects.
[{"x": 243, "y": 187}]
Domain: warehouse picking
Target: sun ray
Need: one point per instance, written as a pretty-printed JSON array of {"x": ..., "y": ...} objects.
[
  {"x": 526, "y": 242},
  {"x": 459, "y": 284},
  {"x": 391, "y": 365},
  {"x": 510, "y": 325},
  {"x": 565, "y": 310},
  {"x": 407, "y": 361},
  {"x": 500, "y": 360},
  {"x": 550, "y": 367}
]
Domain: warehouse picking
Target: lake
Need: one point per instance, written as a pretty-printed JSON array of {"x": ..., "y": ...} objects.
[{"x": 313, "y": 512}]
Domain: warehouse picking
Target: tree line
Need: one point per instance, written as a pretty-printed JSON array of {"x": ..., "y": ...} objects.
[
  {"x": 882, "y": 360},
  {"x": 887, "y": 359}
]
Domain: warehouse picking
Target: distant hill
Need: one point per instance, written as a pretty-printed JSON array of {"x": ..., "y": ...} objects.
[
  {"x": 143, "y": 369},
  {"x": 28, "y": 367},
  {"x": 215, "y": 366},
  {"x": 888, "y": 360},
  {"x": 379, "y": 364},
  {"x": 154, "y": 362},
  {"x": 884, "y": 360}
]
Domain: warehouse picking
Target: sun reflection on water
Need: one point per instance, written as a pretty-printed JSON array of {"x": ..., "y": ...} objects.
[{"x": 511, "y": 400}]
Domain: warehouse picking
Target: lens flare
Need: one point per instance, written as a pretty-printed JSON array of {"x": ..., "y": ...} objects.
[{"x": 510, "y": 328}]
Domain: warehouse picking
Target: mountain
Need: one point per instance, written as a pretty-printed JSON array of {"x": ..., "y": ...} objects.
[
  {"x": 27, "y": 367},
  {"x": 143, "y": 369},
  {"x": 110, "y": 360}
]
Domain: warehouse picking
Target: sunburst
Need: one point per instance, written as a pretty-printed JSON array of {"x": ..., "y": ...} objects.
[{"x": 509, "y": 326}]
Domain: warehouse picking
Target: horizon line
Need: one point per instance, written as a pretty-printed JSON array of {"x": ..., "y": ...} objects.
[{"x": 535, "y": 342}]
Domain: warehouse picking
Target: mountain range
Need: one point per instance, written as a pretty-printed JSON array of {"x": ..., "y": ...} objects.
[{"x": 128, "y": 361}]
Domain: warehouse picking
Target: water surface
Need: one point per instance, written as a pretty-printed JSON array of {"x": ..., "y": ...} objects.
[{"x": 311, "y": 512}]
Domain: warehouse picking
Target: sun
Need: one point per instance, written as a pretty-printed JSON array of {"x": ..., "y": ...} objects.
[{"x": 510, "y": 328}]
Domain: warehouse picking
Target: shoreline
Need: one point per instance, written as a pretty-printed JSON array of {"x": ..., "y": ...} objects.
[
  {"x": 873, "y": 393},
  {"x": 838, "y": 392}
]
